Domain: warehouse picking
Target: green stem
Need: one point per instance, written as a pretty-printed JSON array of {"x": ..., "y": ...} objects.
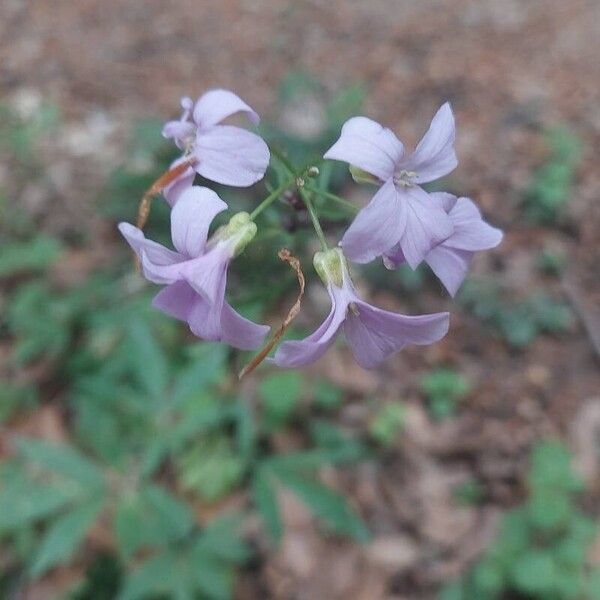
[
  {"x": 272, "y": 197},
  {"x": 333, "y": 197},
  {"x": 314, "y": 218},
  {"x": 283, "y": 159}
]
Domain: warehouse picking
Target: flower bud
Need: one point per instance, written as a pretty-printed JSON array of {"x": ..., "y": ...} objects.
[
  {"x": 313, "y": 172},
  {"x": 330, "y": 265},
  {"x": 239, "y": 232}
]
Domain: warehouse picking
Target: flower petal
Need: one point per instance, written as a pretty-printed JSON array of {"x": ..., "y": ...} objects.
[
  {"x": 374, "y": 334},
  {"x": 216, "y": 105},
  {"x": 367, "y": 145},
  {"x": 239, "y": 332},
  {"x": 298, "y": 353},
  {"x": 471, "y": 232},
  {"x": 208, "y": 277},
  {"x": 231, "y": 155},
  {"x": 204, "y": 319},
  {"x": 377, "y": 227},
  {"x": 393, "y": 258},
  {"x": 176, "y": 300},
  {"x": 160, "y": 264},
  {"x": 427, "y": 224},
  {"x": 450, "y": 266},
  {"x": 173, "y": 191},
  {"x": 435, "y": 156},
  {"x": 191, "y": 218},
  {"x": 178, "y": 131}
]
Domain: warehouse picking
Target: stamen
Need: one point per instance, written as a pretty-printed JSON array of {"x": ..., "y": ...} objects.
[{"x": 405, "y": 178}]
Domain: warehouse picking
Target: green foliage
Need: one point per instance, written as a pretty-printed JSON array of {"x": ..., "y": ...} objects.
[
  {"x": 15, "y": 397},
  {"x": 327, "y": 396},
  {"x": 33, "y": 255},
  {"x": 520, "y": 322},
  {"x": 387, "y": 423},
  {"x": 550, "y": 187},
  {"x": 551, "y": 262},
  {"x": 443, "y": 389},
  {"x": 280, "y": 394},
  {"x": 540, "y": 550}
]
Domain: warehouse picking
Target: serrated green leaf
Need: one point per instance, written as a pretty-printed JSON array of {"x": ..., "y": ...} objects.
[
  {"x": 332, "y": 508},
  {"x": 64, "y": 536},
  {"x": 62, "y": 459}
]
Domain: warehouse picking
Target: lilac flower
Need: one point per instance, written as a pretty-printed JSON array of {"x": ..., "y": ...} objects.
[
  {"x": 450, "y": 260},
  {"x": 372, "y": 333},
  {"x": 195, "y": 273},
  {"x": 223, "y": 153},
  {"x": 401, "y": 212}
]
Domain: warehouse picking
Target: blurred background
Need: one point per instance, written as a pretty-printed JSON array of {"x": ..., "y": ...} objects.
[{"x": 133, "y": 464}]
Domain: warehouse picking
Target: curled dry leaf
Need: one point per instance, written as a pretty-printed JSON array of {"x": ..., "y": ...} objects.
[
  {"x": 157, "y": 187},
  {"x": 286, "y": 256}
]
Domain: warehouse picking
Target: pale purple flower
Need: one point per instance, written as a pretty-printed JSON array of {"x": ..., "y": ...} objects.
[
  {"x": 401, "y": 212},
  {"x": 450, "y": 260},
  {"x": 195, "y": 273},
  {"x": 373, "y": 334},
  {"x": 222, "y": 153}
]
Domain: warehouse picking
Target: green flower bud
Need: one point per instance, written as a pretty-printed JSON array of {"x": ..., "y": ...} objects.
[
  {"x": 330, "y": 265},
  {"x": 240, "y": 231}
]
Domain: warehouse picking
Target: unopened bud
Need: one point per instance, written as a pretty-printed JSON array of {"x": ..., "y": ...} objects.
[
  {"x": 313, "y": 172},
  {"x": 330, "y": 265},
  {"x": 300, "y": 182},
  {"x": 240, "y": 231}
]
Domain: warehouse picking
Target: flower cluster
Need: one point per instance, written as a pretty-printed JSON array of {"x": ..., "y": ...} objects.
[{"x": 402, "y": 223}]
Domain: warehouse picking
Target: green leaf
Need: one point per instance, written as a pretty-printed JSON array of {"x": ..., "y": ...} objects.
[
  {"x": 327, "y": 396},
  {"x": 211, "y": 468},
  {"x": 149, "y": 359},
  {"x": 23, "y": 502},
  {"x": 212, "y": 576},
  {"x": 329, "y": 506},
  {"x": 62, "y": 459},
  {"x": 64, "y": 536},
  {"x": 34, "y": 255},
  {"x": 151, "y": 517},
  {"x": 222, "y": 538},
  {"x": 280, "y": 394},
  {"x": 265, "y": 498},
  {"x": 388, "y": 423},
  {"x": 151, "y": 577},
  {"x": 533, "y": 573}
]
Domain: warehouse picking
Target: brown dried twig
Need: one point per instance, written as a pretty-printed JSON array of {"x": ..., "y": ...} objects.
[
  {"x": 157, "y": 187},
  {"x": 285, "y": 255}
]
